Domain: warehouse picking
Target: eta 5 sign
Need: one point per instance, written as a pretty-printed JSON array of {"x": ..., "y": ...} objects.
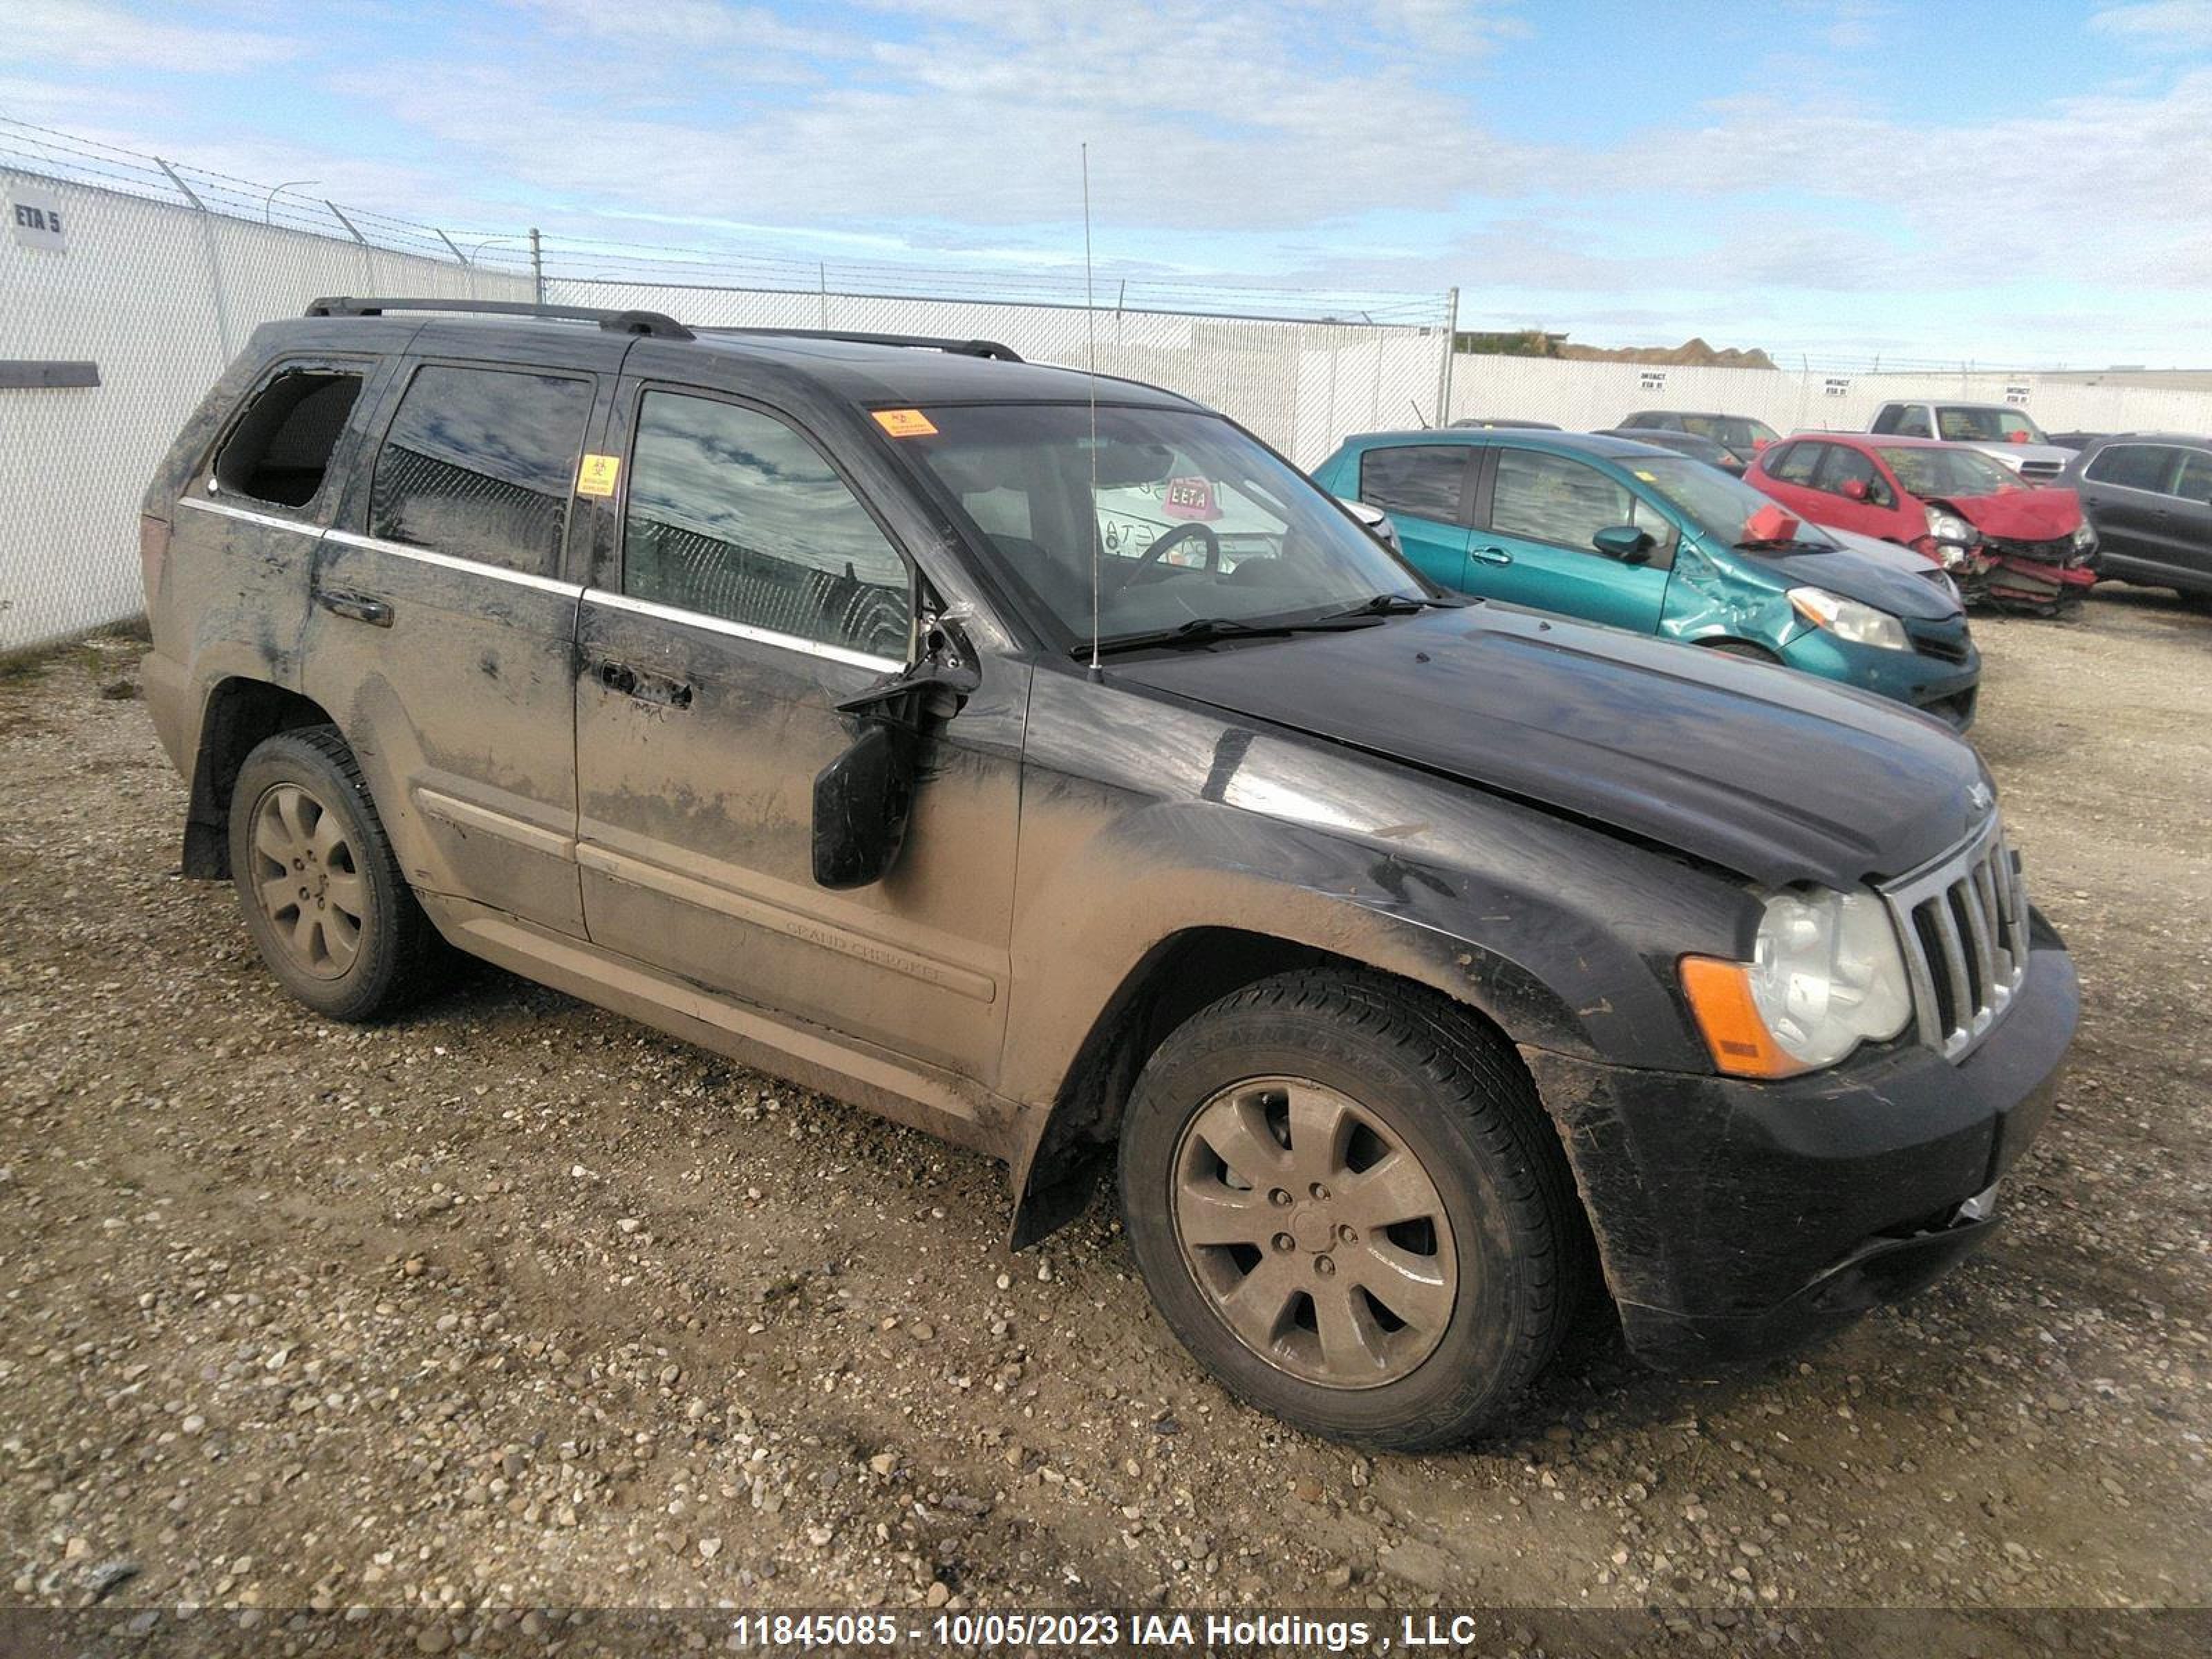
[{"x": 37, "y": 220}]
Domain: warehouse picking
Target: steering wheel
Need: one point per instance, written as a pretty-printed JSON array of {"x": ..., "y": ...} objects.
[{"x": 1151, "y": 557}]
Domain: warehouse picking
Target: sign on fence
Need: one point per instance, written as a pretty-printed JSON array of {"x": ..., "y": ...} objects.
[{"x": 36, "y": 218}]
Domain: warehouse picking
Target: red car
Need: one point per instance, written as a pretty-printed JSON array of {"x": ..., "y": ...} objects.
[{"x": 2002, "y": 541}]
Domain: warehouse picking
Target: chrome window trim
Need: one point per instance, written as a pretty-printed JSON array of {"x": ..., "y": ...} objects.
[
  {"x": 268, "y": 520},
  {"x": 737, "y": 630},
  {"x": 449, "y": 561}
]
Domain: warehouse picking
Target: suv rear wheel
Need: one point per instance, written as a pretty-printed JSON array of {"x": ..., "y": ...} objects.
[
  {"x": 323, "y": 895},
  {"x": 1346, "y": 1200}
]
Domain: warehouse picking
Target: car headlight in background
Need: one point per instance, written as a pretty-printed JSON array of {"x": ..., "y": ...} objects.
[
  {"x": 1950, "y": 527},
  {"x": 1847, "y": 619},
  {"x": 2084, "y": 537},
  {"x": 1826, "y": 975}
]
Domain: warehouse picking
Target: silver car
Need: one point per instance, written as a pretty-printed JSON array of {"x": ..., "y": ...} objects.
[{"x": 2004, "y": 432}]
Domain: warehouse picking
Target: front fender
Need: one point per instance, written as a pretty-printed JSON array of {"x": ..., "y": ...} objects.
[{"x": 1563, "y": 935}]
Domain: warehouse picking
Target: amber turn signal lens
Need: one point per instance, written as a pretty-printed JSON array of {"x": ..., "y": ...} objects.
[{"x": 1720, "y": 995}]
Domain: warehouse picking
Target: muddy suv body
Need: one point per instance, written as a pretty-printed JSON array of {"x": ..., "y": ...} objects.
[{"x": 1408, "y": 953}]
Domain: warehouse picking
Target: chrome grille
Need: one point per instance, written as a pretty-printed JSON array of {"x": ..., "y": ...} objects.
[
  {"x": 1964, "y": 923},
  {"x": 2042, "y": 472}
]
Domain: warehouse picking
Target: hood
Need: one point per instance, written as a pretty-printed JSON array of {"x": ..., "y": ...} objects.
[
  {"x": 1778, "y": 776},
  {"x": 2020, "y": 515},
  {"x": 1891, "y": 579}
]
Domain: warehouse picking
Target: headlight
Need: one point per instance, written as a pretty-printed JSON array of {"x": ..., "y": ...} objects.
[
  {"x": 2084, "y": 537},
  {"x": 1826, "y": 975},
  {"x": 1847, "y": 619},
  {"x": 1950, "y": 527}
]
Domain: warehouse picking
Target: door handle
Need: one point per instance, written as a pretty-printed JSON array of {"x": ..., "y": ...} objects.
[
  {"x": 358, "y": 606},
  {"x": 658, "y": 690},
  {"x": 1490, "y": 555}
]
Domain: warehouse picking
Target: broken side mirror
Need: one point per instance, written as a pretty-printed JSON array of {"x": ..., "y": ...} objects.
[
  {"x": 862, "y": 802},
  {"x": 864, "y": 799}
]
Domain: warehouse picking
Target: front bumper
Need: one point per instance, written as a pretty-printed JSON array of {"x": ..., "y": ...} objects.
[
  {"x": 1737, "y": 1219},
  {"x": 1936, "y": 685}
]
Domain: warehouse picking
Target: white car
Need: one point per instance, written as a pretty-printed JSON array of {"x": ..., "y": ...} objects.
[{"x": 2003, "y": 432}]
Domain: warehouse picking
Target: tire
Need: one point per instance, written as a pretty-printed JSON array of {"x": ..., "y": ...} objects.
[
  {"x": 1743, "y": 648},
  {"x": 1481, "y": 1290},
  {"x": 323, "y": 896}
]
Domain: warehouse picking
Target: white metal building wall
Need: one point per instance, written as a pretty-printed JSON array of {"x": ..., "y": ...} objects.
[
  {"x": 1585, "y": 396},
  {"x": 1300, "y": 386},
  {"x": 159, "y": 297}
]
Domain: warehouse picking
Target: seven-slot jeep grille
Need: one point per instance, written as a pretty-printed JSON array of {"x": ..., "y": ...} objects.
[{"x": 1964, "y": 921}]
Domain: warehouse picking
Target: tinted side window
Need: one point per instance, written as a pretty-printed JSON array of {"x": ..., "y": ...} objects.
[
  {"x": 1892, "y": 417},
  {"x": 1423, "y": 479},
  {"x": 2133, "y": 466},
  {"x": 480, "y": 464},
  {"x": 1795, "y": 463},
  {"x": 2195, "y": 483},
  {"x": 1842, "y": 464},
  {"x": 280, "y": 452},
  {"x": 734, "y": 514},
  {"x": 1549, "y": 498}
]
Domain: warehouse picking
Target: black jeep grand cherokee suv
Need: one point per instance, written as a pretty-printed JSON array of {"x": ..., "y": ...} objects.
[{"x": 1043, "y": 761}]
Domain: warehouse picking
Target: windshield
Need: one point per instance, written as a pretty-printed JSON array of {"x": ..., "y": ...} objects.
[
  {"x": 1717, "y": 503},
  {"x": 1971, "y": 423},
  {"x": 1738, "y": 431},
  {"x": 1191, "y": 519},
  {"x": 1926, "y": 472}
]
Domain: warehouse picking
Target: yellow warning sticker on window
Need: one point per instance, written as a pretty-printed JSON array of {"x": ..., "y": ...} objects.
[
  {"x": 1646, "y": 476},
  {"x": 905, "y": 423},
  {"x": 598, "y": 474}
]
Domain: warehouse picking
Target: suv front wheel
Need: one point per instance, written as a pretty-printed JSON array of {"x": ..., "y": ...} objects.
[
  {"x": 322, "y": 892},
  {"x": 1346, "y": 1200}
]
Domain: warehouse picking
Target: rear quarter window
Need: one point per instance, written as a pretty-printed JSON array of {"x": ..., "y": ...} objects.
[{"x": 279, "y": 453}]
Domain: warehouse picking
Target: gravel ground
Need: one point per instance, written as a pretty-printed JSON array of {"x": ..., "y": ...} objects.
[{"x": 514, "y": 1303}]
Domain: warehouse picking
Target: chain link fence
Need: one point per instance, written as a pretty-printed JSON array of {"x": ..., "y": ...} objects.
[
  {"x": 155, "y": 273},
  {"x": 151, "y": 298}
]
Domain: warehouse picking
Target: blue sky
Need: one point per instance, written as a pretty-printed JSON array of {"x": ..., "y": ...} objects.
[{"x": 2027, "y": 183}]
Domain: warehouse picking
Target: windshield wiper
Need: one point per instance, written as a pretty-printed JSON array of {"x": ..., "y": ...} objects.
[
  {"x": 1204, "y": 630},
  {"x": 1388, "y": 604}
]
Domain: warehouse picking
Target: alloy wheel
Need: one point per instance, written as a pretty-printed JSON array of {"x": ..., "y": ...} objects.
[
  {"x": 306, "y": 882},
  {"x": 1315, "y": 1232}
]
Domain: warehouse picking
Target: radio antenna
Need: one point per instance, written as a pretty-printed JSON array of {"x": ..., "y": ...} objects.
[{"x": 1090, "y": 329}]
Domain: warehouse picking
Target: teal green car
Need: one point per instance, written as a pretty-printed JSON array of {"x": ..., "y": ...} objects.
[{"x": 1648, "y": 539}]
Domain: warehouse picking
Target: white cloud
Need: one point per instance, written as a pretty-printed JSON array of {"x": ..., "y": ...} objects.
[
  {"x": 91, "y": 34},
  {"x": 2165, "y": 25}
]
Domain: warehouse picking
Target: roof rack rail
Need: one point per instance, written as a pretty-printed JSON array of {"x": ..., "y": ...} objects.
[
  {"x": 992, "y": 349},
  {"x": 652, "y": 323}
]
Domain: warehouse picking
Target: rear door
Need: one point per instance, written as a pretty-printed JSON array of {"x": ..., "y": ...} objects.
[
  {"x": 1428, "y": 490},
  {"x": 2127, "y": 490},
  {"x": 442, "y": 630},
  {"x": 745, "y": 587},
  {"x": 1871, "y": 512},
  {"x": 2190, "y": 526},
  {"x": 1542, "y": 510},
  {"x": 1786, "y": 472}
]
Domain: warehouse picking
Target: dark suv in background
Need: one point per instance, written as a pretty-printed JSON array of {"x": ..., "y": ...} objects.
[
  {"x": 2149, "y": 494},
  {"x": 1407, "y": 959},
  {"x": 1742, "y": 436}
]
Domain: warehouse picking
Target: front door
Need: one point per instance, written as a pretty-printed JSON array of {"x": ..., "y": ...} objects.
[
  {"x": 441, "y": 627},
  {"x": 1538, "y": 549},
  {"x": 749, "y": 591}
]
